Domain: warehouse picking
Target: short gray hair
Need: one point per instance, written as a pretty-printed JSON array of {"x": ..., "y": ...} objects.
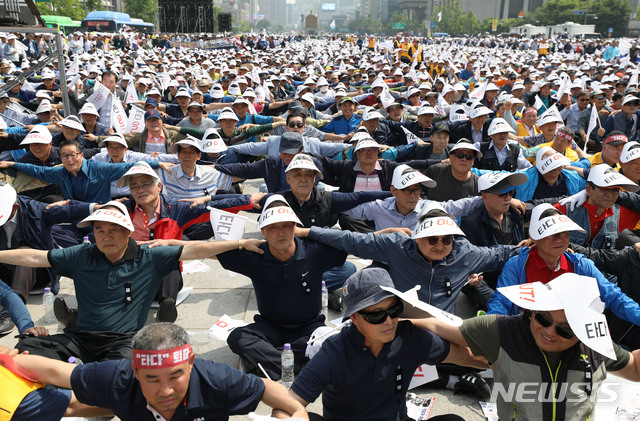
[{"x": 159, "y": 336}]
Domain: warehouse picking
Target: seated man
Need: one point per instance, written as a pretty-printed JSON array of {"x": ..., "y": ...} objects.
[
  {"x": 42, "y": 153},
  {"x": 163, "y": 356},
  {"x": 551, "y": 348},
  {"x": 287, "y": 283},
  {"x": 115, "y": 281},
  {"x": 500, "y": 153},
  {"x": 454, "y": 178},
  {"x": 549, "y": 230},
  {"x": 377, "y": 352},
  {"x": 600, "y": 218}
]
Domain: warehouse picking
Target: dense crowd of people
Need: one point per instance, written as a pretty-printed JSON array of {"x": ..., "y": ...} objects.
[{"x": 502, "y": 168}]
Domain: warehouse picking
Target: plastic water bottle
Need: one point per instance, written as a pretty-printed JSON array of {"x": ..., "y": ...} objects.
[
  {"x": 287, "y": 366},
  {"x": 85, "y": 240},
  {"x": 47, "y": 301},
  {"x": 325, "y": 300},
  {"x": 74, "y": 360}
]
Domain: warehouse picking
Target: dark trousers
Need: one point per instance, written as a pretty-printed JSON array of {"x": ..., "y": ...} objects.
[
  {"x": 170, "y": 286},
  {"x": 23, "y": 279},
  {"x": 480, "y": 294},
  {"x": 348, "y": 223},
  {"x": 262, "y": 342},
  {"x": 202, "y": 231},
  {"x": 87, "y": 346}
]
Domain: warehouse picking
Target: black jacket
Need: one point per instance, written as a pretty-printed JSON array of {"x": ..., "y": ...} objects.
[
  {"x": 477, "y": 227},
  {"x": 462, "y": 130}
]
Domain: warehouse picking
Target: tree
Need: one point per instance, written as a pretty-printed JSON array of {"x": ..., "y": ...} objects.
[
  {"x": 455, "y": 21},
  {"x": 557, "y": 11},
  {"x": 611, "y": 14},
  {"x": 365, "y": 26},
  {"x": 141, "y": 9},
  {"x": 263, "y": 24},
  {"x": 70, "y": 8}
]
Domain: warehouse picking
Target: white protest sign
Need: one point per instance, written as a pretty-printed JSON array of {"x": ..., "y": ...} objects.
[
  {"x": 423, "y": 375},
  {"x": 99, "y": 95},
  {"x": 226, "y": 225},
  {"x": 135, "y": 123},
  {"x": 223, "y": 327},
  {"x": 118, "y": 117},
  {"x": 414, "y": 308},
  {"x": 411, "y": 138},
  {"x": 131, "y": 95}
]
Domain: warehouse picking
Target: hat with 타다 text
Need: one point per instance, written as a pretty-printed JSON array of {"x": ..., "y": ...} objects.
[
  {"x": 579, "y": 297},
  {"x": 119, "y": 216},
  {"x": 405, "y": 176},
  {"x": 541, "y": 227},
  {"x": 276, "y": 209},
  {"x": 39, "y": 134},
  {"x": 604, "y": 176},
  {"x": 630, "y": 152},
  {"x": 437, "y": 225},
  {"x": 550, "y": 163},
  {"x": 212, "y": 142}
]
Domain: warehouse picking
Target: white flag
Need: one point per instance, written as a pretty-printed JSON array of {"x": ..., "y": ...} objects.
[
  {"x": 551, "y": 110},
  {"x": 74, "y": 68},
  {"x": 75, "y": 79},
  {"x": 633, "y": 80},
  {"x": 538, "y": 103},
  {"x": 99, "y": 95},
  {"x": 478, "y": 93},
  {"x": 227, "y": 225},
  {"x": 333, "y": 25},
  {"x": 593, "y": 122},
  {"x": 135, "y": 123},
  {"x": 439, "y": 16},
  {"x": 27, "y": 87},
  {"x": 386, "y": 97},
  {"x": 411, "y": 138},
  {"x": 118, "y": 116},
  {"x": 131, "y": 94}
]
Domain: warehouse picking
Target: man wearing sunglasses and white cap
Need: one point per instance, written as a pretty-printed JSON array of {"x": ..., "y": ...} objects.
[
  {"x": 377, "y": 352},
  {"x": 115, "y": 281},
  {"x": 560, "y": 343},
  {"x": 454, "y": 178},
  {"x": 437, "y": 255},
  {"x": 549, "y": 229},
  {"x": 163, "y": 382},
  {"x": 599, "y": 215}
]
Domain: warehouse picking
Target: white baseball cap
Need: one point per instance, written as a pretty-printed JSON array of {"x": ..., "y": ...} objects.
[
  {"x": 119, "y": 216},
  {"x": 479, "y": 110},
  {"x": 405, "y": 176},
  {"x": 116, "y": 137},
  {"x": 550, "y": 163},
  {"x": 604, "y": 176},
  {"x": 89, "y": 108},
  {"x": 370, "y": 114},
  {"x": 499, "y": 125},
  {"x": 436, "y": 226},
  {"x": 366, "y": 142},
  {"x": 305, "y": 162},
  {"x": 630, "y": 151},
  {"x": 465, "y": 144},
  {"x": 499, "y": 183},
  {"x": 212, "y": 142},
  {"x": 457, "y": 113},
  {"x": 427, "y": 109},
  {"x": 39, "y": 134},
  {"x": 73, "y": 123},
  {"x": 308, "y": 97},
  {"x": 7, "y": 199},
  {"x": 279, "y": 212},
  {"x": 140, "y": 168},
  {"x": 188, "y": 141},
  {"x": 227, "y": 114},
  {"x": 540, "y": 228},
  {"x": 44, "y": 106}
]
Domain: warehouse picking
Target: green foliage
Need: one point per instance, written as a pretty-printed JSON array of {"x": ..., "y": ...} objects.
[
  {"x": 71, "y": 8},
  {"x": 263, "y": 24},
  {"x": 555, "y": 12},
  {"x": 365, "y": 26},
  {"x": 413, "y": 27},
  {"x": 244, "y": 27},
  {"x": 141, "y": 9},
  {"x": 611, "y": 14},
  {"x": 456, "y": 22}
]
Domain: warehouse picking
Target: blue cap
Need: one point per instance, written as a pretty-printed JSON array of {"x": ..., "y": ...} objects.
[
  {"x": 151, "y": 101},
  {"x": 152, "y": 114}
]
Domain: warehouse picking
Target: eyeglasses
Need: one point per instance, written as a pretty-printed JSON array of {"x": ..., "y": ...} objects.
[
  {"x": 143, "y": 186},
  {"x": 583, "y": 99},
  {"x": 509, "y": 193},
  {"x": 409, "y": 192},
  {"x": 446, "y": 241},
  {"x": 70, "y": 155},
  {"x": 379, "y": 317},
  {"x": 295, "y": 124},
  {"x": 467, "y": 156},
  {"x": 563, "y": 332},
  {"x": 600, "y": 98},
  {"x": 115, "y": 148}
]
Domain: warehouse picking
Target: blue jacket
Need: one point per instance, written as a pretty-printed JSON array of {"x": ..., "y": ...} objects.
[
  {"x": 341, "y": 125},
  {"x": 441, "y": 281},
  {"x": 514, "y": 273},
  {"x": 525, "y": 192},
  {"x": 96, "y": 186}
]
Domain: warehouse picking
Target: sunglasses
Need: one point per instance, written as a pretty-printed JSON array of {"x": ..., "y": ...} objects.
[
  {"x": 379, "y": 317},
  {"x": 563, "y": 332},
  {"x": 446, "y": 241},
  {"x": 509, "y": 193},
  {"x": 293, "y": 124},
  {"x": 468, "y": 157}
]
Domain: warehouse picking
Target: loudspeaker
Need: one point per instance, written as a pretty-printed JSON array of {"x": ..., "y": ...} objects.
[
  {"x": 187, "y": 16},
  {"x": 224, "y": 22}
]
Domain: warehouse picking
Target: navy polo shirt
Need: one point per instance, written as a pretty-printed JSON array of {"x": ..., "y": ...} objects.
[
  {"x": 100, "y": 285},
  {"x": 355, "y": 385},
  {"x": 282, "y": 298},
  {"x": 544, "y": 190},
  {"x": 215, "y": 392}
]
